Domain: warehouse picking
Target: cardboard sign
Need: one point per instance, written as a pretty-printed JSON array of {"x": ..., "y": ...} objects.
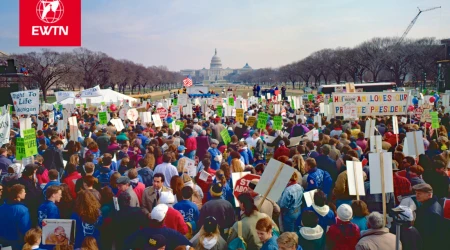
[
  {"x": 414, "y": 143},
  {"x": 103, "y": 118},
  {"x": 376, "y": 143},
  {"x": 188, "y": 166},
  {"x": 220, "y": 111},
  {"x": 26, "y": 102},
  {"x": 92, "y": 92},
  {"x": 231, "y": 101},
  {"x": 5, "y": 127},
  {"x": 277, "y": 123},
  {"x": 146, "y": 117},
  {"x": 262, "y": 120},
  {"x": 225, "y": 136},
  {"x": 132, "y": 114},
  {"x": 274, "y": 180},
  {"x": 117, "y": 123},
  {"x": 355, "y": 178},
  {"x": 350, "y": 110},
  {"x": 375, "y": 172},
  {"x": 182, "y": 99},
  {"x": 240, "y": 115},
  {"x": 162, "y": 113},
  {"x": 250, "y": 121},
  {"x": 241, "y": 181},
  {"x": 370, "y": 128},
  {"x": 63, "y": 95},
  {"x": 26, "y": 146},
  {"x": 374, "y": 103},
  {"x": 73, "y": 126},
  {"x": 157, "y": 120},
  {"x": 434, "y": 120},
  {"x": 309, "y": 197},
  {"x": 52, "y": 228}
]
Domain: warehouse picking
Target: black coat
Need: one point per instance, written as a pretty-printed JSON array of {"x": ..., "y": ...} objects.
[
  {"x": 429, "y": 223},
  {"x": 125, "y": 222},
  {"x": 53, "y": 159}
]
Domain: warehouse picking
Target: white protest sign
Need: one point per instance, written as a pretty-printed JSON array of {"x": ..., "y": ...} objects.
[
  {"x": 315, "y": 135},
  {"x": 375, "y": 172},
  {"x": 415, "y": 143},
  {"x": 123, "y": 113},
  {"x": 277, "y": 108},
  {"x": 187, "y": 110},
  {"x": 157, "y": 120},
  {"x": 175, "y": 112},
  {"x": 355, "y": 178},
  {"x": 370, "y": 128},
  {"x": 375, "y": 143},
  {"x": 61, "y": 126},
  {"x": 73, "y": 125},
  {"x": 395, "y": 124},
  {"x": 182, "y": 99},
  {"x": 322, "y": 108},
  {"x": 40, "y": 124},
  {"x": 189, "y": 167},
  {"x": 5, "y": 127},
  {"x": 92, "y": 92},
  {"x": 309, "y": 197},
  {"x": 294, "y": 141},
  {"x": 274, "y": 180},
  {"x": 146, "y": 117},
  {"x": 117, "y": 123},
  {"x": 63, "y": 95},
  {"x": 350, "y": 110},
  {"x": 26, "y": 102},
  {"x": 132, "y": 114},
  {"x": 269, "y": 139},
  {"x": 24, "y": 123},
  {"x": 404, "y": 120}
]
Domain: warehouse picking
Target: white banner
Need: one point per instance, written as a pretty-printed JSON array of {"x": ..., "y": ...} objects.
[
  {"x": 92, "y": 92},
  {"x": 63, "y": 95},
  {"x": 26, "y": 102},
  {"x": 370, "y": 104},
  {"x": 5, "y": 127}
]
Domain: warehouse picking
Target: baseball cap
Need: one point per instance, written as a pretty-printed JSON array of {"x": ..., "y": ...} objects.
[
  {"x": 210, "y": 224},
  {"x": 181, "y": 148},
  {"x": 159, "y": 212}
]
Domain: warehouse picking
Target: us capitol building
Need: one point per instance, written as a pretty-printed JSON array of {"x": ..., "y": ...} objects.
[{"x": 215, "y": 74}]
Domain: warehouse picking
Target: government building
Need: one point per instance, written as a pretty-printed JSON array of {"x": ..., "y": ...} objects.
[{"x": 216, "y": 74}]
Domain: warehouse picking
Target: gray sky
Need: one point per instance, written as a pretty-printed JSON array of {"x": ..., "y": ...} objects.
[{"x": 265, "y": 33}]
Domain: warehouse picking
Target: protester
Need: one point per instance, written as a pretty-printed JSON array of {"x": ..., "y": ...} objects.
[
  {"x": 344, "y": 234},
  {"x": 377, "y": 237}
]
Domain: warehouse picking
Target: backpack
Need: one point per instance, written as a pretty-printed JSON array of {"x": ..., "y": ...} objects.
[
  {"x": 147, "y": 176},
  {"x": 239, "y": 242},
  {"x": 103, "y": 179}
]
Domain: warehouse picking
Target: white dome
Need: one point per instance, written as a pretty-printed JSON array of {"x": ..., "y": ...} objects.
[{"x": 216, "y": 63}]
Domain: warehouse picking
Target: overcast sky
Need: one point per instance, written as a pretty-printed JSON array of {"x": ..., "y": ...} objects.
[{"x": 182, "y": 34}]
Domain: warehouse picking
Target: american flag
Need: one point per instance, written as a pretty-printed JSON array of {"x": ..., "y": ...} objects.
[{"x": 187, "y": 82}]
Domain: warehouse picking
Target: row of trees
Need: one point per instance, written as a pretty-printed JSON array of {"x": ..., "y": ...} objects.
[
  {"x": 376, "y": 60},
  {"x": 85, "y": 68}
]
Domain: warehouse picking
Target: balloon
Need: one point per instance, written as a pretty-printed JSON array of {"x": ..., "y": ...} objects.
[
  {"x": 432, "y": 99},
  {"x": 415, "y": 101},
  {"x": 437, "y": 97},
  {"x": 113, "y": 107},
  {"x": 411, "y": 108}
]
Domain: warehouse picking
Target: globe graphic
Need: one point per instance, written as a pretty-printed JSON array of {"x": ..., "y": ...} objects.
[{"x": 51, "y": 15}]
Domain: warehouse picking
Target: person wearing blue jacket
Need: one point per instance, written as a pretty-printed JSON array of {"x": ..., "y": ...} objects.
[
  {"x": 322, "y": 210},
  {"x": 245, "y": 153},
  {"x": 14, "y": 219},
  {"x": 317, "y": 178},
  {"x": 53, "y": 175},
  {"x": 48, "y": 209},
  {"x": 187, "y": 208},
  {"x": 215, "y": 154}
]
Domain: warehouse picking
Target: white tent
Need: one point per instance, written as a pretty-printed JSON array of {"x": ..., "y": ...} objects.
[{"x": 108, "y": 96}]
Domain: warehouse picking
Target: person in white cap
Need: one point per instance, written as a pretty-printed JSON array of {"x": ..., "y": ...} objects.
[
  {"x": 377, "y": 237},
  {"x": 344, "y": 234},
  {"x": 174, "y": 218}
]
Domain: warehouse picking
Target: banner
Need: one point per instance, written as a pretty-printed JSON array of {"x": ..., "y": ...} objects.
[
  {"x": 372, "y": 104},
  {"x": 5, "y": 127},
  {"x": 26, "y": 102},
  {"x": 92, "y": 92},
  {"x": 63, "y": 95}
]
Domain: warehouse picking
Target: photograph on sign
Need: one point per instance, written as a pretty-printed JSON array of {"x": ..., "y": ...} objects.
[
  {"x": 375, "y": 172},
  {"x": 58, "y": 232},
  {"x": 274, "y": 179},
  {"x": 355, "y": 178}
]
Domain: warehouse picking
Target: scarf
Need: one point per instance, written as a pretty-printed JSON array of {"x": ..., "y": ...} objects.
[{"x": 134, "y": 182}]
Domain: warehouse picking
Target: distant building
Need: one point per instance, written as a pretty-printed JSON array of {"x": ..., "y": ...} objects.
[{"x": 215, "y": 73}]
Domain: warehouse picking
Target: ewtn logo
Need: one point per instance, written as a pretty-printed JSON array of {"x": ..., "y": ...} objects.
[
  {"x": 50, "y": 23},
  {"x": 50, "y": 12}
]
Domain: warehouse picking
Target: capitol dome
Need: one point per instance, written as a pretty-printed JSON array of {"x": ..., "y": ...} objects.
[{"x": 216, "y": 63}]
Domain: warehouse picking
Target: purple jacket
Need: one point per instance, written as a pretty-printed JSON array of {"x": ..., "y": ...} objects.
[{"x": 202, "y": 146}]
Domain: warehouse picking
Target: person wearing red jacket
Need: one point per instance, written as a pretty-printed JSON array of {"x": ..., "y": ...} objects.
[
  {"x": 138, "y": 187},
  {"x": 71, "y": 178},
  {"x": 281, "y": 150},
  {"x": 391, "y": 138},
  {"x": 344, "y": 235},
  {"x": 174, "y": 219},
  {"x": 191, "y": 144}
]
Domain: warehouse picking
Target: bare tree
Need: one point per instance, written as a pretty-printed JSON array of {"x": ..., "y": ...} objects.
[{"x": 89, "y": 64}]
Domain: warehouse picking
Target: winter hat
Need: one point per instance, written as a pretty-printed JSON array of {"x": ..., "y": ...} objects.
[
  {"x": 222, "y": 148},
  {"x": 345, "y": 212},
  {"x": 166, "y": 198},
  {"x": 159, "y": 212},
  {"x": 216, "y": 190},
  {"x": 214, "y": 141}
]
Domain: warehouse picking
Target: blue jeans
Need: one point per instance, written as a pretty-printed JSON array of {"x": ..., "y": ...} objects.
[{"x": 289, "y": 219}]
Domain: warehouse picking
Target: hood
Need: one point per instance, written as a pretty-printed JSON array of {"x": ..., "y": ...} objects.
[
  {"x": 209, "y": 243},
  {"x": 310, "y": 233},
  {"x": 323, "y": 211}
]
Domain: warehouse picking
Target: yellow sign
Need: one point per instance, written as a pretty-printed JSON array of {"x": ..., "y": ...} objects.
[
  {"x": 240, "y": 115},
  {"x": 251, "y": 121}
]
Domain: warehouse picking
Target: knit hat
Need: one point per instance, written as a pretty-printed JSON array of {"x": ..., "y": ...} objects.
[
  {"x": 216, "y": 190},
  {"x": 214, "y": 141},
  {"x": 159, "y": 212},
  {"x": 123, "y": 180},
  {"x": 345, "y": 212}
]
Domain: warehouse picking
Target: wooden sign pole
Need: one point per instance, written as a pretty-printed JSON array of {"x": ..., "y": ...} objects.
[
  {"x": 416, "y": 153},
  {"x": 271, "y": 185},
  {"x": 383, "y": 191},
  {"x": 356, "y": 181}
]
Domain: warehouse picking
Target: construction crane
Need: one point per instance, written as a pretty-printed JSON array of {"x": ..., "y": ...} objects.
[{"x": 413, "y": 22}]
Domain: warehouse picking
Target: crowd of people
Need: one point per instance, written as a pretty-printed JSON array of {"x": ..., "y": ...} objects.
[{"x": 130, "y": 189}]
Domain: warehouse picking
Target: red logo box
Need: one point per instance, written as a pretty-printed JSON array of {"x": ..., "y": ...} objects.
[{"x": 50, "y": 23}]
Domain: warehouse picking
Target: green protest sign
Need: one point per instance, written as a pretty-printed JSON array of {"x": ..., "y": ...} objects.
[
  {"x": 231, "y": 101},
  {"x": 292, "y": 103},
  {"x": 20, "y": 148},
  {"x": 262, "y": 120},
  {"x": 220, "y": 111},
  {"x": 277, "y": 123},
  {"x": 180, "y": 123},
  {"x": 434, "y": 120},
  {"x": 103, "y": 103},
  {"x": 225, "y": 136},
  {"x": 103, "y": 117},
  {"x": 26, "y": 146},
  {"x": 175, "y": 102}
]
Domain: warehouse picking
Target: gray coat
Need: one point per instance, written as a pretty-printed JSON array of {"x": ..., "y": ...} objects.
[{"x": 377, "y": 239}]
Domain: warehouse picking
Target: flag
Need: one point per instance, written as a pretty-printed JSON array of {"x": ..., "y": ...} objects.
[{"x": 187, "y": 82}]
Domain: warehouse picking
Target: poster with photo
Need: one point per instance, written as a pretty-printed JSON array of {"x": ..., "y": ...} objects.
[{"x": 58, "y": 232}]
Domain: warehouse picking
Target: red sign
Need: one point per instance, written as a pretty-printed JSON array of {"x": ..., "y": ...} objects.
[
  {"x": 50, "y": 23},
  {"x": 242, "y": 184},
  {"x": 418, "y": 112},
  {"x": 162, "y": 112}
]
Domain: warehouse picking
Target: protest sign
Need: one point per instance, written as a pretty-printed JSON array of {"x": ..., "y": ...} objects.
[
  {"x": 123, "y": 113},
  {"x": 162, "y": 112},
  {"x": 186, "y": 165},
  {"x": 425, "y": 116},
  {"x": 220, "y": 111},
  {"x": 370, "y": 128},
  {"x": 180, "y": 124},
  {"x": 240, "y": 115},
  {"x": 157, "y": 120},
  {"x": 26, "y": 146},
  {"x": 350, "y": 110},
  {"x": 269, "y": 139},
  {"x": 187, "y": 110},
  {"x": 277, "y": 123},
  {"x": 309, "y": 197},
  {"x": 182, "y": 99},
  {"x": 395, "y": 124},
  {"x": 175, "y": 102},
  {"x": 414, "y": 143},
  {"x": 117, "y": 123},
  {"x": 225, "y": 136},
  {"x": 92, "y": 92},
  {"x": 26, "y": 102},
  {"x": 274, "y": 180},
  {"x": 355, "y": 179},
  {"x": 376, "y": 174},
  {"x": 251, "y": 121},
  {"x": 63, "y": 95},
  {"x": 377, "y": 103},
  {"x": 103, "y": 118},
  {"x": 73, "y": 126},
  {"x": 241, "y": 180},
  {"x": 376, "y": 143},
  {"x": 262, "y": 120},
  {"x": 434, "y": 120},
  {"x": 231, "y": 101},
  {"x": 146, "y": 117},
  {"x": 52, "y": 229},
  {"x": 175, "y": 110},
  {"x": 132, "y": 115},
  {"x": 404, "y": 120},
  {"x": 315, "y": 133},
  {"x": 24, "y": 123}
]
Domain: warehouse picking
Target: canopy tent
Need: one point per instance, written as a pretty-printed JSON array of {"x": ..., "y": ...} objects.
[{"x": 108, "y": 96}]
